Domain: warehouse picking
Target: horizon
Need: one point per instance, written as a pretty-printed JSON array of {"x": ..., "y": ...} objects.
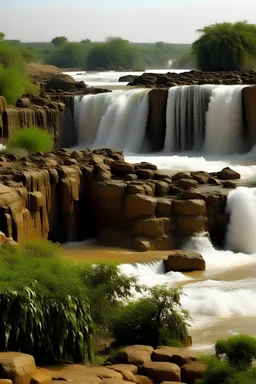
[{"x": 139, "y": 21}]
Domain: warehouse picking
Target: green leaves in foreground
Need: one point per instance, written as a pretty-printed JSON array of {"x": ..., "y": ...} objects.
[
  {"x": 44, "y": 327},
  {"x": 32, "y": 139}
]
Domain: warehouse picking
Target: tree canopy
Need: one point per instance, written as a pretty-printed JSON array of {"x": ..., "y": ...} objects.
[
  {"x": 59, "y": 40},
  {"x": 226, "y": 46}
]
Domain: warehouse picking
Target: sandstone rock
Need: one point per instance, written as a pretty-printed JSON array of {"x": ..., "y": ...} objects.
[
  {"x": 41, "y": 377},
  {"x": 161, "y": 188},
  {"x": 158, "y": 175},
  {"x": 145, "y": 165},
  {"x": 187, "y": 183},
  {"x": 139, "y": 206},
  {"x": 152, "y": 228},
  {"x": 190, "y": 225},
  {"x": 192, "y": 370},
  {"x": 182, "y": 175},
  {"x": 114, "y": 381},
  {"x": 16, "y": 366},
  {"x": 131, "y": 177},
  {"x": 162, "y": 371},
  {"x": 61, "y": 81},
  {"x": 174, "y": 191},
  {"x": 185, "y": 261},
  {"x": 144, "y": 174},
  {"x": 5, "y": 381},
  {"x": 136, "y": 188},
  {"x": 228, "y": 174},
  {"x": 121, "y": 168},
  {"x": 193, "y": 193},
  {"x": 140, "y": 379},
  {"x": 214, "y": 181},
  {"x": 108, "y": 190},
  {"x": 189, "y": 207},
  {"x": 36, "y": 200},
  {"x": 125, "y": 367},
  {"x": 163, "y": 208},
  {"x": 133, "y": 354},
  {"x": 229, "y": 185}
]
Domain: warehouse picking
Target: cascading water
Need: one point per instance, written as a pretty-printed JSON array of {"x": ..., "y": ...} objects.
[
  {"x": 115, "y": 120},
  {"x": 186, "y": 117}
]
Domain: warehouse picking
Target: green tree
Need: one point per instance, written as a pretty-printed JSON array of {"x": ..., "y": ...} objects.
[
  {"x": 59, "y": 40},
  {"x": 68, "y": 55},
  {"x": 2, "y": 36},
  {"x": 226, "y": 46},
  {"x": 153, "y": 320}
]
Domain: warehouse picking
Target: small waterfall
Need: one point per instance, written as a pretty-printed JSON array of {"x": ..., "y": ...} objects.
[
  {"x": 114, "y": 120},
  {"x": 224, "y": 121},
  {"x": 186, "y": 117}
]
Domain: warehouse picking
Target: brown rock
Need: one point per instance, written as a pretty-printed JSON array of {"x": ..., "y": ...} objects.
[
  {"x": 139, "y": 206},
  {"x": 164, "y": 208},
  {"x": 134, "y": 354},
  {"x": 61, "y": 81},
  {"x": 229, "y": 185},
  {"x": 17, "y": 367},
  {"x": 145, "y": 165},
  {"x": 192, "y": 370},
  {"x": 118, "y": 367},
  {"x": 140, "y": 379},
  {"x": 182, "y": 175},
  {"x": 162, "y": 371},
  {"x": 121, "y": 168},
  {"x": 41, "y": 377},
  {"x": 179, "y": 356},
  {"x": 131, "y": 177},
  {"x": 187, "y": 183},
  {"x": 161, "y": 188},
  {"x": 114, "y": 381},
  {"x": 135, "y": 188},
  {"x": 228, "y": 174},
  {"x": 36, "y": 200},
  {"x": 144, "y": 174},
  {"x": 189, "y": 207},
  {"x": 190, "y": 225},
  {"x": 185, "y": 261},
  {"x": 151, "y": 228}
]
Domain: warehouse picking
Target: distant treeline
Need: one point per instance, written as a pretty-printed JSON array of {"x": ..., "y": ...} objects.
[{"x": 113, "y": 53}]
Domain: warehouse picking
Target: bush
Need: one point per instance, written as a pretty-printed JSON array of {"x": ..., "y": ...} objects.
[
  {"x": 44, "y": 306},
  {"x": 153, "y": 320},
  {"x": 14, "y": 81},
  {"x": 238, "y": 350},
  {"x": 31, "y": 139},
  {"x": 106, "y": 286},
  {"x": 226, "y": 46}
]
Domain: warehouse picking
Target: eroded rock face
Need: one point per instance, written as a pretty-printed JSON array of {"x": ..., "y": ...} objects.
[{"x": 72, "y": 195}]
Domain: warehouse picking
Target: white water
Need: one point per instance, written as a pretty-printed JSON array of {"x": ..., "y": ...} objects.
[{"x": 113, "y": 120}]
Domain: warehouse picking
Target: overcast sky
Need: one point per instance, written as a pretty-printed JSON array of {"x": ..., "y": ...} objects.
[{"x": 135, "y": 20}]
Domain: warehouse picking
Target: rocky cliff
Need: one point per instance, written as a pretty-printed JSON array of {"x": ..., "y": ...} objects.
[{"x": 72, "y": 195}]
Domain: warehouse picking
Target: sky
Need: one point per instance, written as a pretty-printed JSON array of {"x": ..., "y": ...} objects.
[{"x": 173, "y": 21}]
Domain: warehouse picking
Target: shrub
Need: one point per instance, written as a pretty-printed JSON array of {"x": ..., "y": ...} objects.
[
  {"x": 14, "y": 81},
  {"x": 44, "y": 306},
  {"x": 32, "y": 139},
  {"x": 153, "y": 320},
  {"x": 226, "y": 46},
  {"x": 238, "y": 350},
  {"x": 106, "y": 286}
]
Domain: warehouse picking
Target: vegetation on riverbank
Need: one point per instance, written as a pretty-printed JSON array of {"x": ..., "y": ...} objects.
[
  {"x": 54, "y": 309},
  {"x": 232, "y": 363},
  {"x": 29, "y": 140}
]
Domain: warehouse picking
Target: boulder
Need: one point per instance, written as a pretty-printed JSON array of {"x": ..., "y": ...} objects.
[
  {"x": 192, "y": 370},
  {"x": 61, "y": 81},
  {"x": 184, "y": 261},
  {"x": 187, "y": 183},
  {"x": 228, "y": 174},
  {"x": 41, "y": 377},
  {"x": 133, "y": 354},
  {"x": 151, "y": 228},
  {"x": 124, "y": 367},
  {"x": 16, "y": 366},
  {"x": 190, "y": 225},
  {"x": 162, "y": 371},
  {"x": 140, "y": 379},
  {"x": 121, "y": 168},
  {"x": 179, "y": 356}
]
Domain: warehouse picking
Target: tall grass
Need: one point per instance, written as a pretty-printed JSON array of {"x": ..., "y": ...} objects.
[{"x": 32, "y": 139}]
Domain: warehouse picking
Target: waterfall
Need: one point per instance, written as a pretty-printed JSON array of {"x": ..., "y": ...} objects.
[
  {"x": 186, "y": 117},
  {"x": 199, "y": 118},
  {"x": 224, "y": 121},
  {"x": 116, "y": 119}
]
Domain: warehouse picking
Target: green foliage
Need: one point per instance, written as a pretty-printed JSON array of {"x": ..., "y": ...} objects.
[
  {"x": 59, "y": 40},
  {"x": 106, "y": 286},
  {"x": 153, "y": 320},
  {"x": 13, "y": 78},
  {"x": 2, "y": 36},
  {"x": 226, "y": 46},
  {"x": 238, "y": 350},
  {"x": 32, "y": 139},
  {"x": 68, "y": 55},
  {"x": 44, "y": 306}
]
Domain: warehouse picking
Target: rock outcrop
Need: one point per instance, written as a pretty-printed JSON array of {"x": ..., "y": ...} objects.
[{"x": 72, "y": 195}]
